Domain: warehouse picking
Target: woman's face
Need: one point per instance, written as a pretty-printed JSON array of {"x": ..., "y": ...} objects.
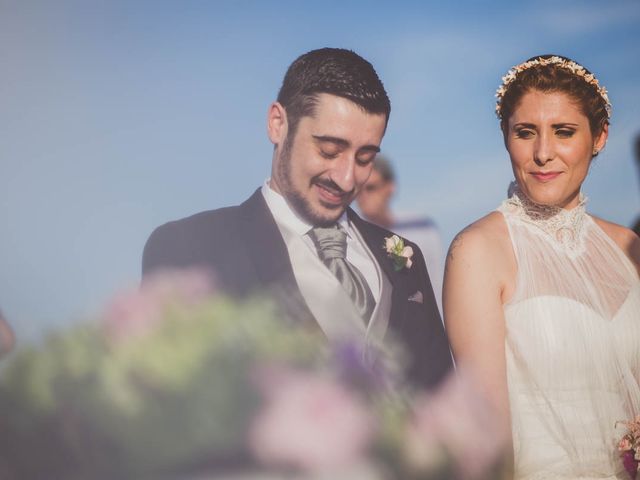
[{"x": 551, "y": 146}]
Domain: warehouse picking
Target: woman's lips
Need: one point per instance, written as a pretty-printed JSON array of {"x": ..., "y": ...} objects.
[{"x": 545, "y": 176}]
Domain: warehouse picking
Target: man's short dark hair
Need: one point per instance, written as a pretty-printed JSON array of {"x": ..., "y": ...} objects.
[{"x": 336, "y": 71}]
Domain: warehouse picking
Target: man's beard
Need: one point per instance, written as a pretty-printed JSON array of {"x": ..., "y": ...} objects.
[{"x": 296, "y": 199}]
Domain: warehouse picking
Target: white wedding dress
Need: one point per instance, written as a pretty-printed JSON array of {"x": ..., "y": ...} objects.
[{"x": 572, "y": 343}]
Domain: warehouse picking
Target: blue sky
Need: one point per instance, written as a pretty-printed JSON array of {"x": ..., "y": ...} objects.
[{"x": 117, "y": 116}]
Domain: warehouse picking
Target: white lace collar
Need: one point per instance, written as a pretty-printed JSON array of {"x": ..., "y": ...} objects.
[{"x": 565, "y": 228}]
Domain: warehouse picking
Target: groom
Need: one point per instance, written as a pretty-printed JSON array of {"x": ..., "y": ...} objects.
[{"x": 296, "y": 238}]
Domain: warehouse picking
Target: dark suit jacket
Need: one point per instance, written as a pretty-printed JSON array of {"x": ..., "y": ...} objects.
[
  {"x": 636, "y": 227},
  {"x": 243, "y": 247}
]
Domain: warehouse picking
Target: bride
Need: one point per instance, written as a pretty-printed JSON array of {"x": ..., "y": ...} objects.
[{"x": 542, "y": 298}]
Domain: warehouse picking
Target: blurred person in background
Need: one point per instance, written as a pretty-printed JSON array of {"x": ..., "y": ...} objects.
[{"x": 374, "y": 203}]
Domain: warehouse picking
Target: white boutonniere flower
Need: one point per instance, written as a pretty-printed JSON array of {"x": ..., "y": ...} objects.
[{"x": 398, "y": 252}]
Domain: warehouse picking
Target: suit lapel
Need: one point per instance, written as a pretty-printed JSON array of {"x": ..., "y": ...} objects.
[
  {"x": 268, "y": 253},
  {"x": 375, "y": 240}
]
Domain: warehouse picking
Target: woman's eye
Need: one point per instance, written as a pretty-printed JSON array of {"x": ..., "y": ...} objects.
[
  {"x": 565, "y": 132},
  {"x": 523, "y": 133}
]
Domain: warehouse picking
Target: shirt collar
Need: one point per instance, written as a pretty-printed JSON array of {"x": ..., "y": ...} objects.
[{"x": 286, "y": 216}]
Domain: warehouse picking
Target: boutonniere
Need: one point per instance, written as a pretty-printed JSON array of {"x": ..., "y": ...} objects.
[{"x": 398, "y": 252}]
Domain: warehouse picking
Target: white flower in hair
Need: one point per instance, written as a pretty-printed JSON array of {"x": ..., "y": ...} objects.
[{"x": 570, "y": 65}]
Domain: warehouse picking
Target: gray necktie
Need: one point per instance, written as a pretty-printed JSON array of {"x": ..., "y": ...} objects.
[{"x": 331, "y": 244}]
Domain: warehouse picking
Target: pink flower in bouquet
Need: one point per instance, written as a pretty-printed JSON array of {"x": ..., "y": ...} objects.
[
  {"x": 624, "y": 444},
  {"x": 312, "y": 423},
  {"x": 134, "y": 312},
  {"x": 459, "y": 419}
]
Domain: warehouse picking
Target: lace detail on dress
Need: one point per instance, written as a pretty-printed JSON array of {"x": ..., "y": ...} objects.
[{"x": 565, "y": 228}]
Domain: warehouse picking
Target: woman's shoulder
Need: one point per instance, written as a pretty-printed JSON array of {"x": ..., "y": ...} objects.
[
  {"x": 489, "y": 233},
  {"x": 481, "y": 257},
  {"x": 484, "y": 245},
  {"x": 624, "y": 237}
]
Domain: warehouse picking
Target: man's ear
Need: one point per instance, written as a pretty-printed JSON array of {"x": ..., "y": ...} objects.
[{"x": 277, "y": 125}]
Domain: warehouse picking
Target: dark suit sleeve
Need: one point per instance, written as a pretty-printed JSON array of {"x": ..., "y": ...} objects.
[
  {"x": 208, "y": 241},
  {"x": 430, "y": 346},
  {"x": 162, "y": 250},
  {"x": 190, "y": 242}
]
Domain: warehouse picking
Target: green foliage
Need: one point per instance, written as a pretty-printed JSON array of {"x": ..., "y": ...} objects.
[{"x": 158, "y": 401}]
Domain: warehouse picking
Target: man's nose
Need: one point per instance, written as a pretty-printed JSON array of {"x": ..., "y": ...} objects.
[{"x": 343, "y": 172}]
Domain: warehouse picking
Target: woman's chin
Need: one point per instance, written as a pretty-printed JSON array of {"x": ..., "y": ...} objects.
[{"x": 547, "y": 195}]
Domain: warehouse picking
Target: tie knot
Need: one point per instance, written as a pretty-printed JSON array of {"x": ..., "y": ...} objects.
[{"x": 331, "y": 242}]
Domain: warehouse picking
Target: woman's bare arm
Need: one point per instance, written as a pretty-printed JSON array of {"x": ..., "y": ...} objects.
[{"x": 479, "y": 275}]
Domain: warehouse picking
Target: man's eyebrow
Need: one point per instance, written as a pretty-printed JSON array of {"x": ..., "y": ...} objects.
[
  {"x": 371, "y": 148},
  {"x": 341, "y": 142},
  {"x": 327, "y": 138}
]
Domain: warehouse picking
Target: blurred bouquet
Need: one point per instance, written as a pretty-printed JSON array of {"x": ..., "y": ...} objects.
[
  {"x": 175, "y": 381},
  {"x": 629, "y": 447}
]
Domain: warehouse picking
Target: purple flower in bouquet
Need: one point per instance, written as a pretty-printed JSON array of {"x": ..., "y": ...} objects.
[
  {"x": 363, "y": 369},
  {"x": 630, "y": 464},
  {"x": 135, "y": 312},
  {"x": 312, "y": 423}
]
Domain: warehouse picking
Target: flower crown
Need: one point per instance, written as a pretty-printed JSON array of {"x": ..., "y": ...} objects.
[{"x": 570, "y": 65}]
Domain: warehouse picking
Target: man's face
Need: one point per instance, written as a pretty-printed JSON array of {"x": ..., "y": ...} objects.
[
  {"x": 375, "y": 196},
  {"x": 327, "y": 162}
]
